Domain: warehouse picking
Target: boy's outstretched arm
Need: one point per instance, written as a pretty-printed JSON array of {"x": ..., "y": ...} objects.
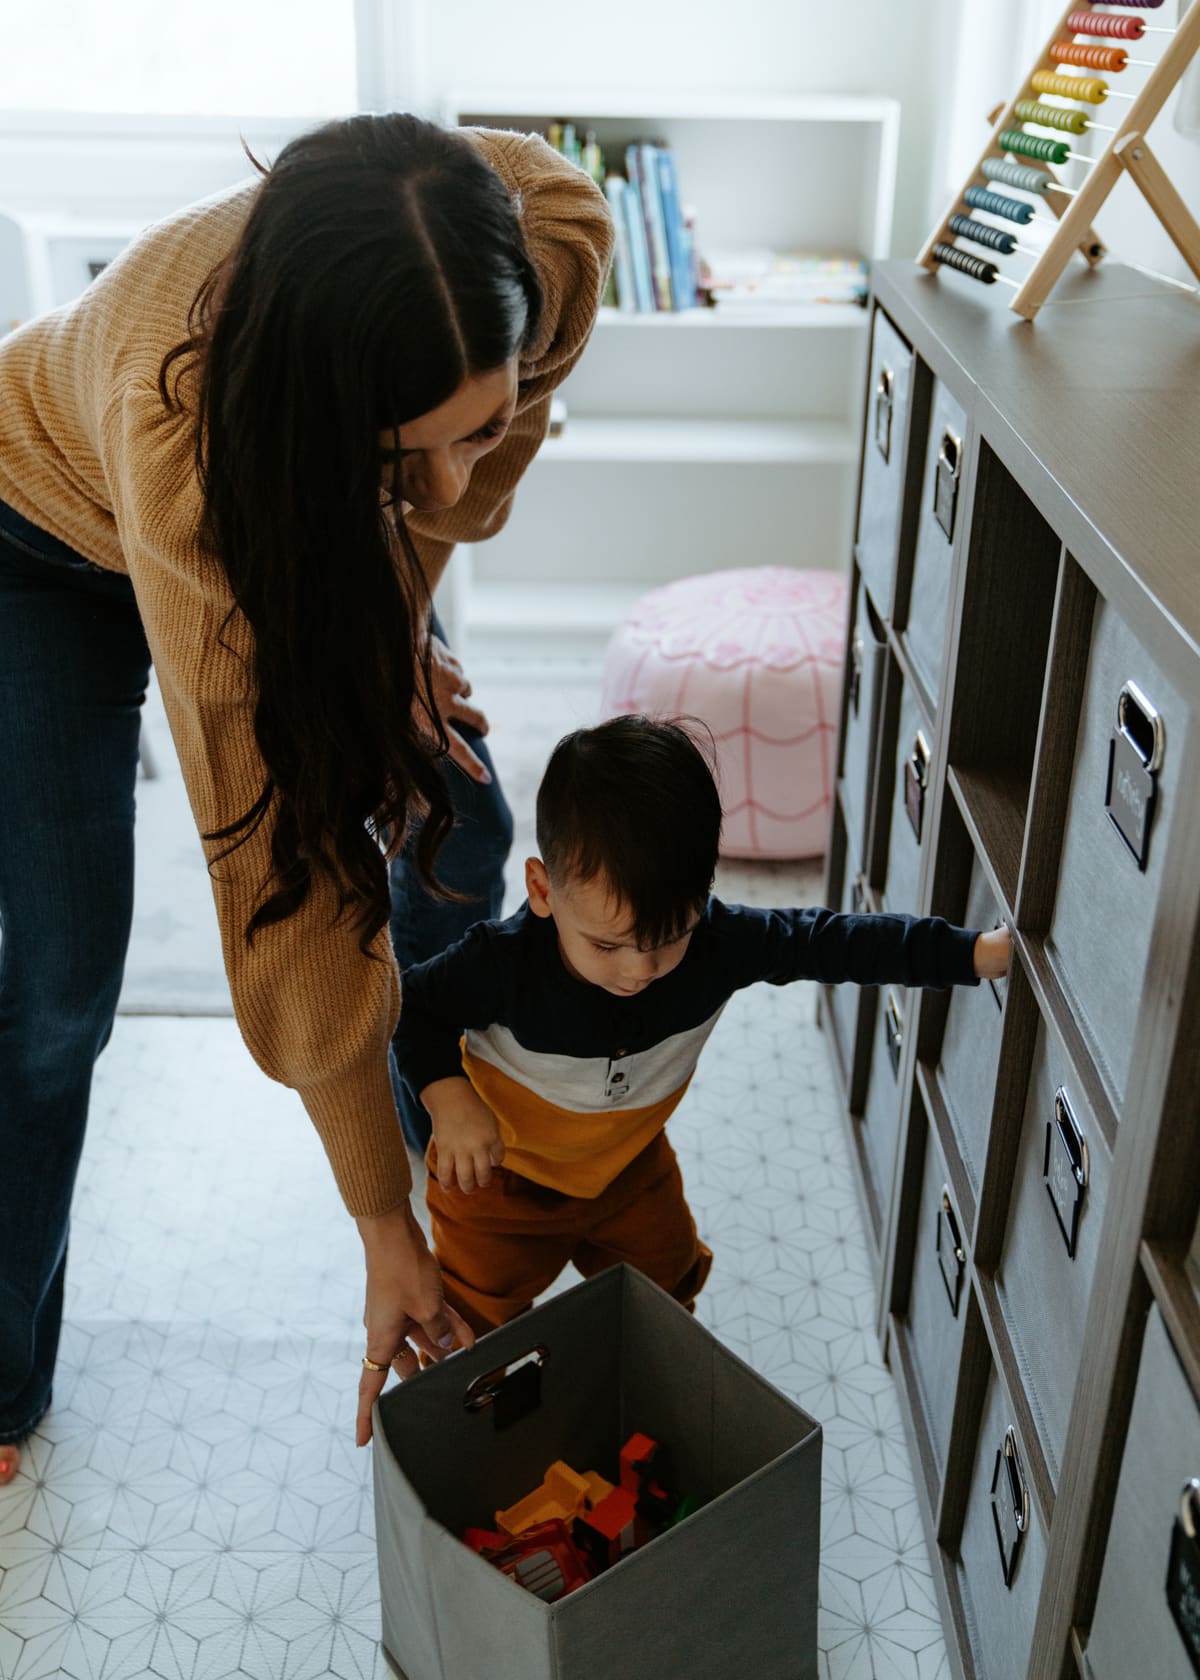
[{"x": 780, "y": 946}]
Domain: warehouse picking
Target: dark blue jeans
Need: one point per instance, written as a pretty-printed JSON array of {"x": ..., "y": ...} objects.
[
  {"x": 73, "y": 671},
  {"x": 471, "y": 862}
]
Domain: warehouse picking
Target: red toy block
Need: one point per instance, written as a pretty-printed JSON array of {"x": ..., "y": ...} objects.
[
  {"x": 637, "y": 1455},
  {"x": 606, "y": 1532},
  {"x": 613, "y": 1515}
]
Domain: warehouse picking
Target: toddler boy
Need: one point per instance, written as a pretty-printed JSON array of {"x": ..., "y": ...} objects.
[{"x": 551, "y": 1048}]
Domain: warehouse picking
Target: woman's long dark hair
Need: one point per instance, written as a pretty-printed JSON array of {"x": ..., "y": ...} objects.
[{"x": 381, "y": 265}]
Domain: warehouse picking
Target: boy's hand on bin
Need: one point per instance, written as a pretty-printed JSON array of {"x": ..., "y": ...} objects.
[
  {"x": 992, "y": 951},
  {"x": 466, "y": 1135}
]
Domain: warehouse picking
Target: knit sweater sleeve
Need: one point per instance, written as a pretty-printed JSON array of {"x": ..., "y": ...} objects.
[
  {"x": 315, "y": 1012},
  {"x": 569, "y": 236}
]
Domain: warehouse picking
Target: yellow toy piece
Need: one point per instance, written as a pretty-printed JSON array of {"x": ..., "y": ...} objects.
[{"x": 563, "y": 1494}]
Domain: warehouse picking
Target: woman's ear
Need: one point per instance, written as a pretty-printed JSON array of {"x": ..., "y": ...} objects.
[{"x": 537, "y": 885}]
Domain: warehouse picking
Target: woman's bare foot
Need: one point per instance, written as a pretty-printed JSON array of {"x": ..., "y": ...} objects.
[{"x": 10, "y": 1462}]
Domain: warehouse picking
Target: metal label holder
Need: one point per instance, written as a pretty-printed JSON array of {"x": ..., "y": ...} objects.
[
  {"x": 916, "y": 780},
  {"x": 857, "y": 652},
  {"x": 945, "y": 482},
  {"x": 1183, "y": 1572},
  {"x": 1135, "y": 755},
  {"x": 885, "y": 397},
  {"x": 1010, "y": 1505},
  {"x": 1065, "y": 1168},
  {"x": 952, "y": 1256},
  {"x": 893, "y": 1033}
]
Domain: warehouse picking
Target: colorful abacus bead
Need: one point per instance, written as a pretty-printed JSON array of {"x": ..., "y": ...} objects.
[
  {"x": 1050, "y": 116},
  {"x": 1093, "y": 90},
  {"x": 1012, "y": 209},
  {"x": 1091, "y": 57},
  {"x": 996, "y": 239},
  {"x": 1105, "y": 24},
  {"x": 1012, "y": 174},
  {"x": 1034, "y": 146},
  {"x": 977, "y": 267}
]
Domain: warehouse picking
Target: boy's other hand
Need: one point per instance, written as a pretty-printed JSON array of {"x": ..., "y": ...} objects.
[
  {"x": 466, "y": 1135},
  {"x": 992, "y": 951}
]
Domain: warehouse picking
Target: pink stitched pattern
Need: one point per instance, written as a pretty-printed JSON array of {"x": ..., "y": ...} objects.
[{"x": 757, "y": 654}]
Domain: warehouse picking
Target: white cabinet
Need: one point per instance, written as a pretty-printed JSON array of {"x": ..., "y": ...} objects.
[{"x": 698, "y": 440}]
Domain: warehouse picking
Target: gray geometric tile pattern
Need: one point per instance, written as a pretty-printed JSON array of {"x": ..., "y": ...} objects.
[{"x": 193, "y": 1506}]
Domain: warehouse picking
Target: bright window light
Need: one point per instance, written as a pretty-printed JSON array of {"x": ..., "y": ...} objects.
[{"x": 236, "y": 57}]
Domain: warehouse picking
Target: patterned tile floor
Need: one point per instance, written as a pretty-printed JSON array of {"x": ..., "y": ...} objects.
[{"x": 193, "y": 1506}]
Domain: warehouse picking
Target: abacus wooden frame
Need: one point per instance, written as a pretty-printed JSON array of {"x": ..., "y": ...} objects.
[{"x": 1127, "y": 149}]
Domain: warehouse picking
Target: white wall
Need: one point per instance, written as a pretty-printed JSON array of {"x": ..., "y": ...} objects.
[
  {"x": 1127, "y": 224},
  {"x": 414, "y": 52},
  {"x": 753, "y": 46}
]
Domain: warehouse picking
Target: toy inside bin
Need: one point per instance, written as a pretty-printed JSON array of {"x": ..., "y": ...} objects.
[{"x": 733, "y": 1588}]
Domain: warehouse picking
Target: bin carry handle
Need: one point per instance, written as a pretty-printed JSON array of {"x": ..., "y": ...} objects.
[
  {"x": 1140, "y": 721},
  {"x": 510, "y": 1390}
]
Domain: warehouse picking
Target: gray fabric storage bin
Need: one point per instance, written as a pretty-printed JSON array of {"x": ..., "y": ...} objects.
[
  {"x": 881, "y": 1106},
  {"x": 868, "y": 649},
  {"x": 971, "y": 1044},
  {"x": 937, "y": 1298},
  {"x": 1104, "y": 902},
  {"x": 732, "y": 1589},
  {"x": 1133, "y": 1631},
  {"x": 904, "y": 848},
  {"x": 1000, "y": 1616},
  {"x": 1043, "y": 1290},
  {"x": 937, "y": 522},
  {"x": 885, "y": 454}
]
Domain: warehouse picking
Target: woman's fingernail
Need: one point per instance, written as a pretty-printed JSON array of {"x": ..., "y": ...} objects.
[
  {"x": 486, "y": 778},
  {"x": 446, "y": 1341}
]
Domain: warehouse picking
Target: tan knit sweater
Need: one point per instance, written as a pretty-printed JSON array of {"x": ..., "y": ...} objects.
[{"x": 88, "y": 453}]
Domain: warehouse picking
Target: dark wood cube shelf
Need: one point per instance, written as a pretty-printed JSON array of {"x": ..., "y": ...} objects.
[{"x": 1024, "y": 662}]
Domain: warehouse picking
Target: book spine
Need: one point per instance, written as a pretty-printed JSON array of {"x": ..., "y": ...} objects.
[
  {"x": 682, "y": 290},
  {"x": 615, "y": 190},
  {"x": 660, "y": 256},
  {"x": 639, "y": 251}
]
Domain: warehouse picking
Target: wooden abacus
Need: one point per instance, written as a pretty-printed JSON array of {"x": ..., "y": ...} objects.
[{"x": 1051, "y": 98}]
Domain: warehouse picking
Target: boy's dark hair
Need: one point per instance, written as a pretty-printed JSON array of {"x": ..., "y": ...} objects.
[{"x": 633, "y": 800}]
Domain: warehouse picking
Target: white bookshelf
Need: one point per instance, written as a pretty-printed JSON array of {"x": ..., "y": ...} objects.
[{"x": 694, "y": 440}]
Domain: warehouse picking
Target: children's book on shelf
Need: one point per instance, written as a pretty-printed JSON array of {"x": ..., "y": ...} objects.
[
  {"x": 624, "y": 291},
  {"x": 641, "y": 164},
  {"x": 654, "y": 267}
]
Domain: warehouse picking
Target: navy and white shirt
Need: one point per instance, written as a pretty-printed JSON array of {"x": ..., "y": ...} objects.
[{"x": 581, "y": 1080}]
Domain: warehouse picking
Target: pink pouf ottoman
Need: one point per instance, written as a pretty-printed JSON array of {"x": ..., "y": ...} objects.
[{"x": 757, "y": 654}]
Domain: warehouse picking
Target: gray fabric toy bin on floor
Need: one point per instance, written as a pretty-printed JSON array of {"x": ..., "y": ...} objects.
[{"x": 729, "y": 1592}]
